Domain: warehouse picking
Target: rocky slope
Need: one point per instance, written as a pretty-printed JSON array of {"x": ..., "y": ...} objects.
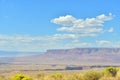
[{"x": 81, "y": 56}]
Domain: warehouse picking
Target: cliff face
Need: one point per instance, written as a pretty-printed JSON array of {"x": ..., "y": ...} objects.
[
  {"x": 85, "y": 51},
  {"x": 76, "y": 56},
  {"x": 81, "y": 56}
]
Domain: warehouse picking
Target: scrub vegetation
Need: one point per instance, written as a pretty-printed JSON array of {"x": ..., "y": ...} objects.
[{"x": 109, "y": 73}]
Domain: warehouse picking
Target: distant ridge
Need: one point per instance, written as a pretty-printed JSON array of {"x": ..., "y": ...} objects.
[
  {"x": 85, "y": 51},
  {"x": 75, "y": 56}
]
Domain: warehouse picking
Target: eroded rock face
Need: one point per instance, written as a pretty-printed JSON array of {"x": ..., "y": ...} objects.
[
  {"x": 85, "y": 51},
  {"x": 72, "y": 56}
]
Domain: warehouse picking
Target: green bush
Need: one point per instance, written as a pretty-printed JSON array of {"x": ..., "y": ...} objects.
[
  {"x": 118, "y": 74},
  {"x": 92, "y": 75},
  {"x": 110, "y": 71},
  {"x": 2, "y": 77},
  {"x": 27, "y": 78},
  {"x": 40, "y": 76},
  {"x": 21, "y": 77},
  {"x": 77, "y": 77},
  {"x": 57, "y": 76},
  {"x": 108, "y": 78}
]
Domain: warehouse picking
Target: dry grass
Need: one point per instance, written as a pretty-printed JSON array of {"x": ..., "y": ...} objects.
[{"x": 95, "y": 74}]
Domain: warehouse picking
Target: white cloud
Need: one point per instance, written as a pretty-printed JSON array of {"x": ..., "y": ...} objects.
[
  {"x": 103, "y": 42},
  {"x": 39, "y": 43},
  {"x": 111, "y": 30},
  {"x": 65, "y": 36},
  {"x": 67, "y": 20},
  {"x": 105, "y": 18},
  {"x": 2, "y": 43},
  {"x": 82, "y": 27},
  {"x": 74, "y": 30},
  {"x": 108, "y": 43},
  {"x": 32, "y": 43}
]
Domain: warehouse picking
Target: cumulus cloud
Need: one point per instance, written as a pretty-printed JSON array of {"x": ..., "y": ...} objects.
[
  {"x": 34, "y": 43},
  {"x": 111, "y": 29},
  {"x": 108, "y": 43},
  {"x": 39, "y": 43},
  {"x": 103, "y": 17},
  {"x": 65, "y": 36},
  {"x": 88, "y": 26},
  {"x": 103, "y": 42},
  {"x": 67, "y": 20},
  {"x": 73, "y": 31}
]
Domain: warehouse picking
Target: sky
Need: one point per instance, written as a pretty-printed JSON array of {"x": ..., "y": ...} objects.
[{"x": 39, "y": 25}]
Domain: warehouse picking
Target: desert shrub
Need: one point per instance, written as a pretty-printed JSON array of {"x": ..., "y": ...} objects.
[
  {"x": 118, "y": 74},
  {"x": 76, "y": 77},
  {"x": 2, "y": 77},
  {"x": 18, "y": 77},
  {"x": 21, "y": 77},
  {"x": 110, "y": 71},
  {"x": 40, "y": 76},
  {"x": 92, "y": 75},
  {"x": 108, "y": 78},
  {"x": 27, "y": 78},
  {"x": 57, "y": 76}
]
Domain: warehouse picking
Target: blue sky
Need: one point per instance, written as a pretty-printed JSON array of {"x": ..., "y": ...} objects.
[{"x": 38, "y": 25}]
